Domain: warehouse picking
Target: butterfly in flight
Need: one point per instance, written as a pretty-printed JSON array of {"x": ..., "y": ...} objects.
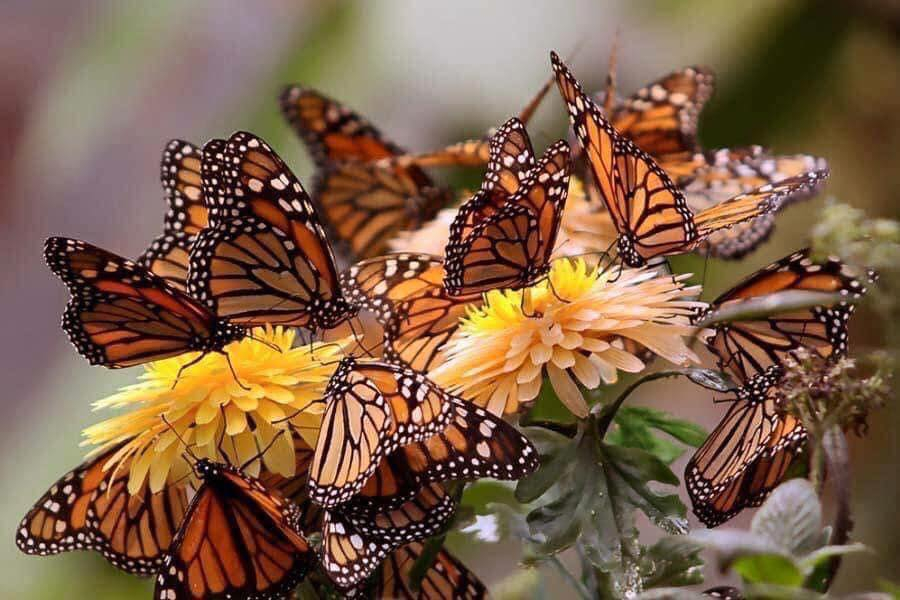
[
  {"x": 504, "y": 236},
  {"x": 264, "y": 258},
  {"x": 446, "y": 579},
  {"x": 406, "y": 294},
  {"x": 186, "y": 214},
  {"x": 90, "y": 508},
  {"x": 749, "y": 452},
  {"x": 121, "y": 315},
  {"x": 238, "y": 539},
  {"x": 650, "y": 213}
]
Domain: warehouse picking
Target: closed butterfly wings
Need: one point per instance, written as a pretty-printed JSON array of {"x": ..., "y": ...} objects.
[
  {"x": 238, "y": 540},
  {"x": 265, "y": 257},
  {"x": 90, "y": 508},
  {"x": 650, "y": 213},
  {"x": 186, "y": 214},
  {"x": 749, "y": 452},
  {"x": 363, "y": 203},
  {"x": 509, "y": 246},
  {"x": 121, "y": 315}
]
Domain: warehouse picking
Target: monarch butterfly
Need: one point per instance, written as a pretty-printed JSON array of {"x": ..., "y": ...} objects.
[
  {"x": 121, "y": 315},
  {"x": 650, "y": 213},
  {"x": 446, "y": 579},
  {"x": 710, "y": 178},
  {"x": 354, "y": 545},
  {"x": 264, "y": 257},
  {"x": 661, "y": 118},
  {"x": 90, "y": 508},
  {"x": 474, "y": 445},
  {"x": 509, "y": 246},
  {"x": 406, "y": 293},
  {"x": 748, "y": 453},
  {"x": 238, "y": 539},
  {"x": 186, "y": 215},
  {"x": 365, "y": 205},
  {"x": 372, "y": 408}
]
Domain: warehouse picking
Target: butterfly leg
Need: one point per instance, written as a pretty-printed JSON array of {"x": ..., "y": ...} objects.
[
  {"x": 233, "y": 372},
  {"x": 185, "y": 366}
]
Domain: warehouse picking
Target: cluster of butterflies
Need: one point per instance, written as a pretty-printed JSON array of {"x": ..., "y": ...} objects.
[{"x": 244, "y": 245}]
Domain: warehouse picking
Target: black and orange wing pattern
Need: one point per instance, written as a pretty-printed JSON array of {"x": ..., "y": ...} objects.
[
  {"x": 746, "y": 456},
  {"x": 186, "y": 215},
  {"x": 713, "y": 177},
  {"x": 650, "y": 213},
  {"x": 354, "y": 545},
  {"x": 265, "y": 258},
  {"x": 90, "y": 508},
  {"x": 513, "y": 246},
  {"x": 121, "y": 315},
  {"x": 749, "y": 452},
  {"x": 661, "y": 118},
  {"x": 238, "y": 540},
  {"x": 745, "y": 349},
  {"x": 364, "y": 204},
  {"x": 406, "y": 294},
  {"x": 474, "y": 445},
  {"x": 446, "y": 579},
  {"x": 372, "y": 408}
]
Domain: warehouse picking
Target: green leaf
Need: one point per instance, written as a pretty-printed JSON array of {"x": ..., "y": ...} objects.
[
  {"x": 633, "y": 427},
  {"x": 482, "y": 493},
  {"x": 768, "y": 568},
  {"x": 818, "y": 557},
  {"x": 672, "y": 561},
  {"x": 791, "y": 518},
  {"x": 760, "y": 307},
  {"x": 554, "y": 464},
  {"x": 598, "y": 488}
]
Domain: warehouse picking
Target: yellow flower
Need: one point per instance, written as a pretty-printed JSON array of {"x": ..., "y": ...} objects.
[
  {"x": 278, "y": 394},
  {"x": 569, "y": 326}
]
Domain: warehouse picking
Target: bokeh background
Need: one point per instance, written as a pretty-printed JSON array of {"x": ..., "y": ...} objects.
[{"x": 93, "y": 89}]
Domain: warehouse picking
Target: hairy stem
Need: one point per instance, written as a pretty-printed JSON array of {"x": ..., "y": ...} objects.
[{"x": 837, "y": 461}]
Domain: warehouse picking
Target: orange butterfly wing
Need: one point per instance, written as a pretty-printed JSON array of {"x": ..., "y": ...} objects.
[
  {"x": 186, "y": 214},
  {"x": 237, "y": 540},
  {"x": 446, "y": 579},
  {"x": 90, "y": 508},
  {"x": 121, "y": 315}
]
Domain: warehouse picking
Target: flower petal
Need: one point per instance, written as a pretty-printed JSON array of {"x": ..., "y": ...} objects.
[{"x": 567, "y": 391}]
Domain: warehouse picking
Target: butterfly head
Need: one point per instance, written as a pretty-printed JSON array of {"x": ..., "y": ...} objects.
[
  {"x": 328, "y": 314},
  {"x": 207, "y": 469}
]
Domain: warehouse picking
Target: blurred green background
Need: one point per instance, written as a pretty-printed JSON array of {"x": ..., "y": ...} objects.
[{"x": 93, "y": 89}]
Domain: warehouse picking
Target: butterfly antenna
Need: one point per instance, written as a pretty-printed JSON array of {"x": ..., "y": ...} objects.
[
  {"x": 220, "y": 444},
  {"x": 533, "y": 104},
  {"x": 187, "y": 447},
  {"x": 610, "y": 99},
  {"x": 185, "y": 367},
  {"x": 265, "y": 343},
  {"x": 705, "y": 264},
  {"x": 358, "y": 338}
]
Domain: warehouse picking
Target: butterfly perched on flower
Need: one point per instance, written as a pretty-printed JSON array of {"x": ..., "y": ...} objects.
[
  {"x": 90, "y": 508},
  {"x": 504, "y": 236},
  {"x": 264, "y": 258},
  {"x": 749, "y": 452},
  {"x": 650, "y": 213},
  {"x": 121, "y": 315},
  {"x": 186, "y": 214},
  {"x": 407, "y": 296},
  {"x": 238, "y": 539}
]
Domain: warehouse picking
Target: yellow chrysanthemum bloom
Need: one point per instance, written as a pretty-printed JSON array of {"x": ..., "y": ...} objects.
[
  {"x": 569, "y": 326},
  {"x": 278, "y": 394},
  {"x": 586, "y": 227}
]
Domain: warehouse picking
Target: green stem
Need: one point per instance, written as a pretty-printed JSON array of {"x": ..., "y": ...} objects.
[
  {"x": 608, "y": 412},
  {"x": 570, "y": 579}
]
